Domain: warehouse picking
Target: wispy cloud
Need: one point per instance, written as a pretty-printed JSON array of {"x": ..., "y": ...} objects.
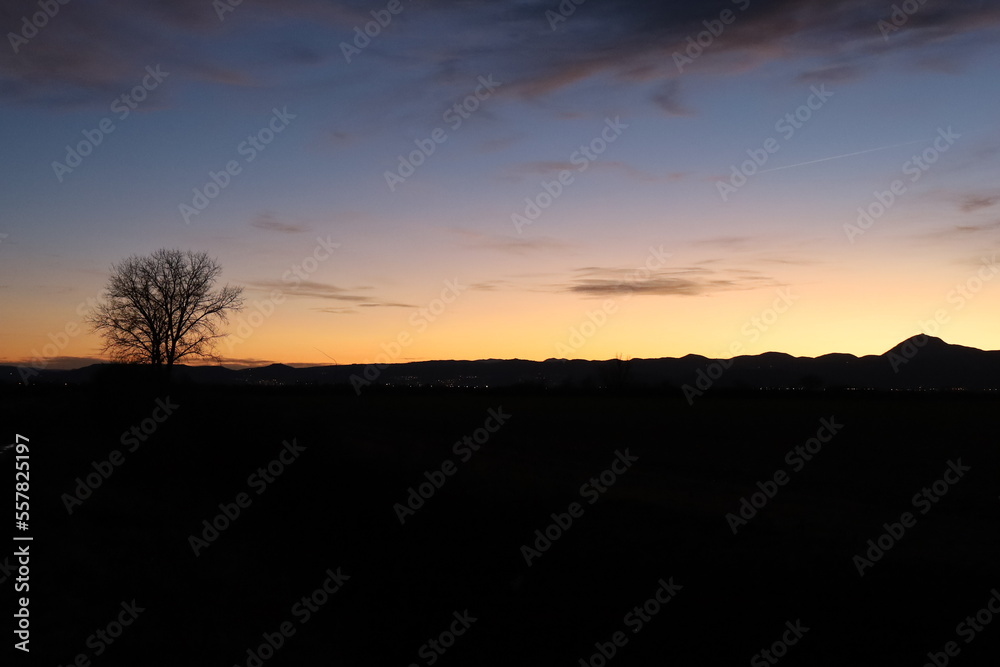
[
  {"x": 269, "y": 222},
  {"x": 971, "y": 203},
  {"x": 353, "y": 310},
  {"x": 667, "y": 98},
  {"x": 681, "y": 281},
  {"x": 831, "y": 74},
  {"x": 310, "y": 288},
  {"x": 958, "y": 232},
  {"x": 317, "y": 290},
  {"x": 516, "y": 245}
]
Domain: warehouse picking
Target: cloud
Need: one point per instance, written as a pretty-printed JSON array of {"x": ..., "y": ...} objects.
[
  {"x": 317, "y": 290},
  {"x": 333, "y": 310},
  {"x": 310, "y": 288},
  {"x": 959, "y": 232},
  {"x": 972, "y": 229},
  {"x": 240, "y": 362},
  {"x": 341, "y": 138},
  {"x": 269, "y": 222},
  {"x": 516, "y": 245},
  {"x": 831, "y": 74},
  {"x": 681, "y": 281},
  {"x": 55, "y": 363},
  {"x": 542, "y": 168},
  {"x": 91, "y": 50},
  {"x": 634, "y": 40},
  {"x": 667, "y": 98},
  {"x": 971, "y": 203}
]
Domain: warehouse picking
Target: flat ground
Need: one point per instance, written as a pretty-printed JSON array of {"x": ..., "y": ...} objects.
[{"x": 665, "y": 517}]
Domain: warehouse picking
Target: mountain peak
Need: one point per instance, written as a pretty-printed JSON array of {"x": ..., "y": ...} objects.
[{"x": 925, "y": 342}]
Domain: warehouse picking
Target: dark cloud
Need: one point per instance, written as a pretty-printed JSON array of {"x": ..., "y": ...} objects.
[
  {"x": 341, "y": 138},
  {"x": 318, "y": 290},
  {"x": 681, "y": 281},
  {"x": 269, "y": 222},
  {"x": 54, "y": 363},
  {"x": 971, "y": 203},
  {"x": 239, "y": 362},
  {"x": 667, "y": 98},
  {"x": 92, "y": 49}
]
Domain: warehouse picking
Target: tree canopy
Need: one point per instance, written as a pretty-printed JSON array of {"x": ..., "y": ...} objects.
[{"x": 161, "y": 308}]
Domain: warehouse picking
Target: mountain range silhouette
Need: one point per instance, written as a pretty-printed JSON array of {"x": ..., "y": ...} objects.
[{"x": 919, "y": 362}]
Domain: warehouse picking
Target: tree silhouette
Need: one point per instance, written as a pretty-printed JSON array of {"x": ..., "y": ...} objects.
[{"x": 160, "y": 308}]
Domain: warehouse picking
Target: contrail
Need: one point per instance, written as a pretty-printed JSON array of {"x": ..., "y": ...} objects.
[
  {"x": 326, "y": 355},
  {"x": 837, "y": 157}
]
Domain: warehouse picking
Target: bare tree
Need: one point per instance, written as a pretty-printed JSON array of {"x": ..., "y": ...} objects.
[{"x": 160, "y": 308}]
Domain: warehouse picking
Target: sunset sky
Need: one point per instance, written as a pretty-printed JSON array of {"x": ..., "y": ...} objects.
[{"x": 656, "y": 242}]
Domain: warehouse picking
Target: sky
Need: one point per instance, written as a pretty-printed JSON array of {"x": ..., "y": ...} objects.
[{"x": 417, "y": 179}]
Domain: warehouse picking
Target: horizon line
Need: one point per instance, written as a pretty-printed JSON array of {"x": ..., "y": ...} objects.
[{"x": 86, "y": 362}]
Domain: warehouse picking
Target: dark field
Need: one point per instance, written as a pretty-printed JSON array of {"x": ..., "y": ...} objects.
[{"x": 663, "y": 518}]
